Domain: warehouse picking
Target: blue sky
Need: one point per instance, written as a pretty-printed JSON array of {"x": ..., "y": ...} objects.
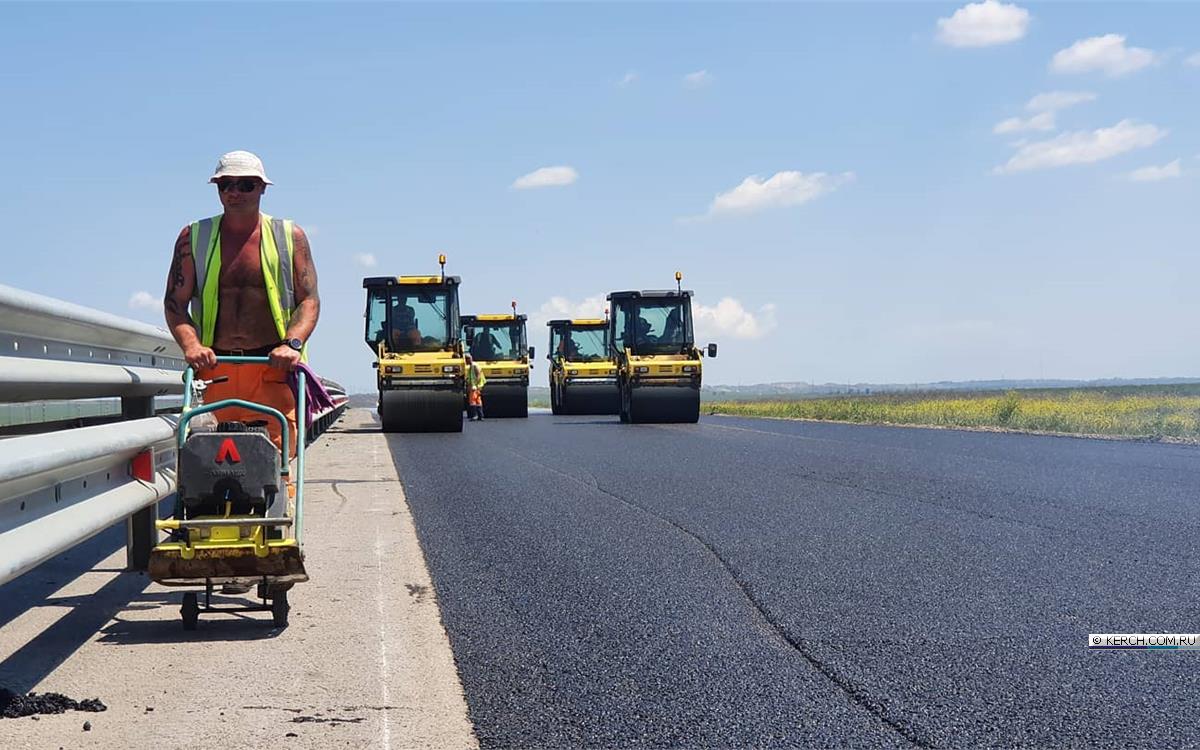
[{"x": 828, "y": 177}]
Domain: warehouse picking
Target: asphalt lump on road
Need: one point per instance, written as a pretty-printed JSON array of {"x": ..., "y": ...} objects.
[{"x": 14, "y": 705}]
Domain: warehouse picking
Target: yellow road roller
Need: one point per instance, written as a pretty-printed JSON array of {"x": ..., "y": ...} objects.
[
  {"x": 498, "y": 345},
  {"x": 658, "y": 364},
  {"x": 413, "y": 328},
  {"x": 583, "y": 373}
]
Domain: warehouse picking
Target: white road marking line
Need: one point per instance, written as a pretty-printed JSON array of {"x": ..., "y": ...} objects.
[{"x": 383, "y": 658}]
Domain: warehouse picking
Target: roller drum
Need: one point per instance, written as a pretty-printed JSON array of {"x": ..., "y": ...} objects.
[
  {"x": 505, "y": 401},
  {"x": 417, "y": 410},
  {"x": 664, "y": 404},
  {"x": 583, "y": 398}
]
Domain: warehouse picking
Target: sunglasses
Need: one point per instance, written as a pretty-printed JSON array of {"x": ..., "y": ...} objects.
[{"x": 241, "y": 185}]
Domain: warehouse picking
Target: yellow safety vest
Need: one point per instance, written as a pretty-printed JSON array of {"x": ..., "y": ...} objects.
[
  {"x": 475, "y": 377},
  {"x": 276, "y": 252}
]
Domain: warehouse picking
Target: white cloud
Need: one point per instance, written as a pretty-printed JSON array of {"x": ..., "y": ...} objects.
[
  {"x": 983, "y": 25},
  {"x": 697, "y": 80},
  {"x": 144, "y": 301},
  {"x": 1054, "y": 101},
  {"x": 1083, "y": 147},
  {"x": 629, "y": 79},
  {"x": 546, "y": 177},
  {"x": 729, "y": 318},
  {"x": 1106, "y": 53},
  {"x": 364, "y": 260},
  {"x": 781, "y": 189},
  {"x": 561, "y": 307},
  {"x": 1042, "y": 121},
  {"x": 1193, "y": 60},
  {"x": 1154, "y": 174},
  {"x": 1046, "y": 106}
]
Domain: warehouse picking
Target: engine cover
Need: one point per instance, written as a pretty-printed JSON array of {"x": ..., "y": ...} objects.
[{"x": 236, "y": 464}]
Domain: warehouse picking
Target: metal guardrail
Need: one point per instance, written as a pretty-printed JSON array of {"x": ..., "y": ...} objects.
[
  {"x": 51, "y": 349},
  {"x": 61, "y": 488}
]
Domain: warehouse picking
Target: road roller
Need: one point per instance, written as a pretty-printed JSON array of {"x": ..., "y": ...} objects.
[
  {"x": 498, "y": 345},
  {"x": 413, "y": 328},
  {"x": 658, "y": 364},
  {"x": 583, "y": 373}
]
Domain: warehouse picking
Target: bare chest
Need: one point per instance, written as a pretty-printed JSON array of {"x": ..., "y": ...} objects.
[{"x": 241, "y": 264}]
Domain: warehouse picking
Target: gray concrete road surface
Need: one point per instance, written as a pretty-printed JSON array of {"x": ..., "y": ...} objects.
[{"x": 364, "y": 663}]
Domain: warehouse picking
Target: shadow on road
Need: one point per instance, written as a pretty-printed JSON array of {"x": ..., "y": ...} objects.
[
  {"x": 574, "y": 422},
  {"x": 23, "y": 670},
  {"x": 34, "y": 587},
  {"x": 166, "y": 627}
]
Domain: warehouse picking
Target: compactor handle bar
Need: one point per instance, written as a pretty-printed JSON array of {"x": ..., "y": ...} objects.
[{"x": 188, "y": 412}]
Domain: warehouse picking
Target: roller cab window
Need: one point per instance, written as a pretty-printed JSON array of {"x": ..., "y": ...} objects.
[
  {"x": 489, "y": 343},
  {"x": 584, "y": 344},
  {"x": 660, "y": 327},
  {"x": 405, "y": 319}
]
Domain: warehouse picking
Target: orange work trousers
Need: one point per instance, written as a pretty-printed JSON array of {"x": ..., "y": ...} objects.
[{"x": 260, "y": 384}]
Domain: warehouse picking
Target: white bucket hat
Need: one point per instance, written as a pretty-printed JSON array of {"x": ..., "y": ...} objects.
[{"x": 240, "y": 164}]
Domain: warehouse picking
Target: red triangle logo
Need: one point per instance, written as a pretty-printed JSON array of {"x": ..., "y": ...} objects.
[{"x": 229, "y": 451}]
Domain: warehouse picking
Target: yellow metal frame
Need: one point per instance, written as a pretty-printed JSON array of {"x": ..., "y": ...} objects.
[
  {"x": 662, "y": 366},
  {"x": 420, "y": 365},
  {"x": 221, "y": 536}
]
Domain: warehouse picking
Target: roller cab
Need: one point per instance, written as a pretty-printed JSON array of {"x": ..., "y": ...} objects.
[
  {"x": 412, "y": 325},
  {"x": 583, "y": 372},
  {"x": 499, "y": 346},
  {"x": 659, "y": 368}
]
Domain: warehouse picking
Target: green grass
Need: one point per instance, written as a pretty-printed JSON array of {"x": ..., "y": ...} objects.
[{"x": 1133, "y": 411}]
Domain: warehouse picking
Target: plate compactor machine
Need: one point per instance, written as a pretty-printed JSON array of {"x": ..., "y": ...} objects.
[
  {"x": 658, "y": 364},
  {"x": 413, "y": 328},
  {"x": 239, "y": 505},
  {"x": 498, "y": 345},
  {"x": 583, "y": 373}
]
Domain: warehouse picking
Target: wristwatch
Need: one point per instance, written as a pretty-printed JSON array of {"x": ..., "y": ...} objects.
[{"x": 296, "y": 344}]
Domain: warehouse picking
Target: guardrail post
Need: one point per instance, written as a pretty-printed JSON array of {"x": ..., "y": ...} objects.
[{"x": 141, "y": 534}]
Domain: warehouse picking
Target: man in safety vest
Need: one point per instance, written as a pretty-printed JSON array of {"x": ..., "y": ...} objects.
[
  {"x": 475, "y": 383},
  {"x": 252, "y": 288}
]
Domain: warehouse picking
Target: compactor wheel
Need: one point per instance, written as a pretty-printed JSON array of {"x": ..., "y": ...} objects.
[
  {"x": 280, "y": 609},
  {"x": 190, "y": 610},
  {"x": 555, "y": 401}
]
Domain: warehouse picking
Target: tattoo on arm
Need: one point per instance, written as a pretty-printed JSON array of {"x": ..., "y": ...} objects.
[
  {"x": 306, "y": 273},
  {"x": 183, "y": 249},
  {"x": 175, "y": 300}
]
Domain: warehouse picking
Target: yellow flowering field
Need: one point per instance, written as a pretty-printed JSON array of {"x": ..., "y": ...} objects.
[{"x": 1141, "y": 411}]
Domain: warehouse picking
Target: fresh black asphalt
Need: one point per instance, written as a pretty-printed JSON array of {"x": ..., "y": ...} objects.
[{"x": 764, "y": 583}]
